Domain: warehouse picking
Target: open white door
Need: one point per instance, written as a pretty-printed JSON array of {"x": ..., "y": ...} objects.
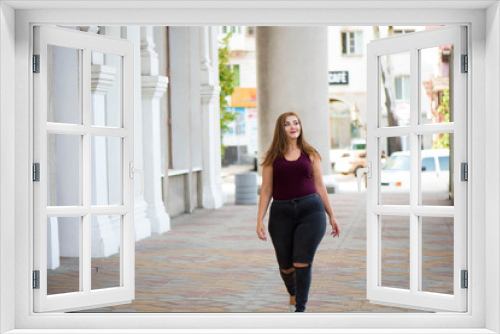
[
  {"x": 417, "y": 200},
  {"x": 83, "y": 187}
]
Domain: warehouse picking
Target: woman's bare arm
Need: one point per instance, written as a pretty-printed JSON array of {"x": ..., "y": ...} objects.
[
  {"x": 266, "y": 193},
  {"x": 321, "y": 190}
]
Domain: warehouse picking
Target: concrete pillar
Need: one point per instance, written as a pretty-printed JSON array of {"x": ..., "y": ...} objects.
[
  {"x": 213, "y": 197},
  {"x": 292, "y": 75},
  {"x": 154, "y": 87}
]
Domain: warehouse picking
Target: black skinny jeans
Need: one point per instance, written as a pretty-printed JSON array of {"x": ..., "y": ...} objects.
[{"x": 296, "y": 228}]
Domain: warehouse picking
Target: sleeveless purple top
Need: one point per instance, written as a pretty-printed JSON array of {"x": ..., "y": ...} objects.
[{"x": 292, "y": 179}]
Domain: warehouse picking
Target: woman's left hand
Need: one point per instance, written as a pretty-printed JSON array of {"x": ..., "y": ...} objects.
[{"x": 335, "y": 227}]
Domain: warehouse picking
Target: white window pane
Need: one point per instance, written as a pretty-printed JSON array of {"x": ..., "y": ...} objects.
[
  {"x": 106, "y": 247},
  {"x": 394, "y": 108},
  {"x": 63, "y": 85},
  {"x": 395, "y": 171},
  {"x": 435, "y": 90},
  {"x": 63, "y": 255},
  {"x": 63, "y": 170},
  {"x": 437, "y": 254},
  {"x": 106, "y": 170},
  {"x": 395, "y": 252},
  {"x": 435, "y": 184},
  {"x": 106, "y": 89}
]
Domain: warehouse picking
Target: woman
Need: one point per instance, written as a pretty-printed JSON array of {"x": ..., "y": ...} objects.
[{"x": 291, "y": 175}]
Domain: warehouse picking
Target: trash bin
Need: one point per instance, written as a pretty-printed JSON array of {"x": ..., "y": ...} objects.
[{"x": 246, "y": 188}]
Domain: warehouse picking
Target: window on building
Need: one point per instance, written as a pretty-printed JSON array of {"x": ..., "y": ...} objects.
[
  {"x": 233, "y": 29},
  {"x": 237, "y": 127},
  {"x": 352, "y": 43},
  {"x": 402, "y": 85},
  {"x": 236, "y": 71},
  {"x": 403, "y": 31}
]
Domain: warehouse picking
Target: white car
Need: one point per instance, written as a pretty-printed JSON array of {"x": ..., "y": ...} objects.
[
  {"x": 337, "y": 154},
  {"x": 435, "y": 175},
  {"x": 350, "y": 162}
]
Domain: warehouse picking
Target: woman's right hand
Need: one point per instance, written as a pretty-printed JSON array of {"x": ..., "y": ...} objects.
[{"x": 261, "y": 231}]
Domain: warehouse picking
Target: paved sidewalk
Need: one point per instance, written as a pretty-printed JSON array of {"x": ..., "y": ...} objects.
[{"x": 212, "y": 261}]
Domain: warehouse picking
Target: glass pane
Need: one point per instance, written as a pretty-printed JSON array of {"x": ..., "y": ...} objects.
[
  {"x": 63, "y": 255},
  {"x": 395, "y": 171},
  {"x": 63, "y": 170},
  {"x": 106, "y": 170},
  {"x": 106, "y": 246},
  {"x": 63, "y": 85},
  {"x": 395, "y": 89},
  {"x": 436, "y": 75},
  {"x": 395, "y": 251},
  {"x": 437, "y": 254},
  {"x": 106, "y": 89},
  {"x": 436, "y": 179}
]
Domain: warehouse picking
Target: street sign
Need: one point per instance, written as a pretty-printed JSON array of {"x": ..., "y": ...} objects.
[{"x": 338, "y": 77}]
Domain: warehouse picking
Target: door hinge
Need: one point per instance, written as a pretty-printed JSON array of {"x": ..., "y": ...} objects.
[
  {"x": 465, "y": 279},
  {"x": 465, "y": 64},
  {"x": 36, "y": 172},
  {"x": 464, "y": 171},
  {"x": 36, "y": 279},
  {"x": 36, "y": 63}
]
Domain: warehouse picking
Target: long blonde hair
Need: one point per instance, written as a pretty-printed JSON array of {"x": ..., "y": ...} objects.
[{"x": 281, "y": 142}]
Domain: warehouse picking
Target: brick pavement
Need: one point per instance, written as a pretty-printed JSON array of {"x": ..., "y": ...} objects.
[{"x": 212, "y": 261}]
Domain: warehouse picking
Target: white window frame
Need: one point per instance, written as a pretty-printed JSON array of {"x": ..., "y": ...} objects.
[
  {"x": 415, "y": 211},
  {"x": 85, "y": 44},
  {"x": 484, "y": 212}
]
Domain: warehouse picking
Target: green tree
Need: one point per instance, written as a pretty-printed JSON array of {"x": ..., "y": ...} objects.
[
  {"x": 227, "y": 83},
  {"x": 444, "y": 109}
]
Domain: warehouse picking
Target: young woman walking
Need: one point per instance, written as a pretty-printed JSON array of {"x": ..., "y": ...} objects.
[{"x": 291, "y": 175}]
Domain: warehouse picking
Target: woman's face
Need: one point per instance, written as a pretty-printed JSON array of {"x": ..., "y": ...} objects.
[{"x": 292, "y": 127}]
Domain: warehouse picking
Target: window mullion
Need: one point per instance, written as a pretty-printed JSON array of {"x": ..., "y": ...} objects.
[
  {"x": 415, "y": 236},
  {"x": 86, "y": 251}
]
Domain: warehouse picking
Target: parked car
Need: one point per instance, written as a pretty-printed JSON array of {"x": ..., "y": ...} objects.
[
  {"x": 350, "y": 162},
  {"x": 337, "y": 154},
  {"x": 435, "y": 175}
]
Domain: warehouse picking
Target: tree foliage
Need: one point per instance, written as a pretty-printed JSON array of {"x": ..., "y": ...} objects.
[
  {"x": 226, "y": 82},
  {"x": 444, "y": 109}
]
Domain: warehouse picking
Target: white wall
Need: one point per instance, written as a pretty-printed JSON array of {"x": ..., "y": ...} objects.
[
  {"x": 180, "y": 81},
  {"x": 195, "y": 111},
  {"x": 7, "y": 170}
]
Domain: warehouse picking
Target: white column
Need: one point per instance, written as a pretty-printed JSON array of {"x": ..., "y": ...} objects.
[
  {"x": 154, "y": 87},
  {"x": 213, "y": 196},
  {"x": 292, "y": 68},
  {"x": 141, "y": 221}
]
